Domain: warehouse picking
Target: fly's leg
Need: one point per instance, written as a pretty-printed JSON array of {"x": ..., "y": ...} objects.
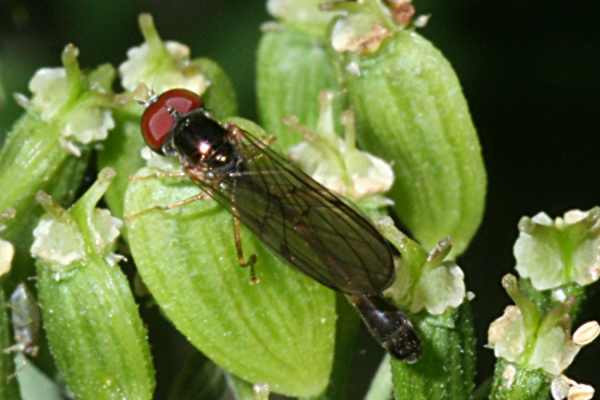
[
  {"x": 200, "y": 196},
  {"x": 158, "y": 175},
  {"x": 240, "y": 251}
]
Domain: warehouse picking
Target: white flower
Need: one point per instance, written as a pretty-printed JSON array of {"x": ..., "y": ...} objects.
[
  {"x": 556, "y": 252},
  {"x": 76, "y": 113},
  {"x": 88, "y": 124},
  {"x": 547, "y": 339},
  {"x": 49, "y": 87},
  {"x": 439, "y": 289},
  {"x": 7, "y": 252},
  {"x": 150, "y": 68},
  {"x": 433, "y": 284},
  {"x": 336, "y": 163},
  {"x": 57, "y": 241},
  {"x": 563, "y": 387}
]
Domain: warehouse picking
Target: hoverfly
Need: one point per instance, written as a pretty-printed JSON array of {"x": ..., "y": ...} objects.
[{"x": 300, "y": 220}]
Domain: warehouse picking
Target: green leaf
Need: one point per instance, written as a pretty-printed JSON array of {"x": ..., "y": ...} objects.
[
  {"x": 411, "y": 111},
  {"x": 94, "y": 331},
  {"x": 266, "y": 333}
]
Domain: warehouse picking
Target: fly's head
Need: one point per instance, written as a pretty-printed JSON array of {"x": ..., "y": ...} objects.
[
  {"x": 161, "y": 115},
  {"x": 175, "y": 124}
]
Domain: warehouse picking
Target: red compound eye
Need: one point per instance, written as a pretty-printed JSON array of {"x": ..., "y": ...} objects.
[{"x": 157, "y": 122}]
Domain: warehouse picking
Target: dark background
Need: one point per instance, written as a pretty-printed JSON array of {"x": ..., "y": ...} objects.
[{"x": 529, "y": 71}]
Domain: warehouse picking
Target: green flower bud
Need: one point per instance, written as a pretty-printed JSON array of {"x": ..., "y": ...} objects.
[
  {"x": 266, "y": 333},
  {"x": 83, "y": 293},
  {"x": 293, "y": 68},
  {"x": 554, "y": 253},
  {"x": 410, "y": 110},
  {"x": 47, "y": 147},
  {"x": 406, "y": 97}
]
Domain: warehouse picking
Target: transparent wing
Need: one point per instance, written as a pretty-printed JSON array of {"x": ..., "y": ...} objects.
[{"x": 305, "y": 223}]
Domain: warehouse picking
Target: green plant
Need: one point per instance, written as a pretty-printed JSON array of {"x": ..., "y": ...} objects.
[{"x": 334, "y": 80}]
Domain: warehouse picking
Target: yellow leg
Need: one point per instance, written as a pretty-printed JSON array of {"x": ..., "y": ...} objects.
[
  {"x": 240, "y": 251},
  {"x": 158, "y": 175},
  {"x": 200, "y": 196}
]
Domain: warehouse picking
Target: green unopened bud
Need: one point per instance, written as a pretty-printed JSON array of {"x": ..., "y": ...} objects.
[
  {"x": 83, "y": 292},
  {"x": 553, "y": 253},
  {"x": 293, "y": 68},
  {"x": 410, "y": 110}
]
